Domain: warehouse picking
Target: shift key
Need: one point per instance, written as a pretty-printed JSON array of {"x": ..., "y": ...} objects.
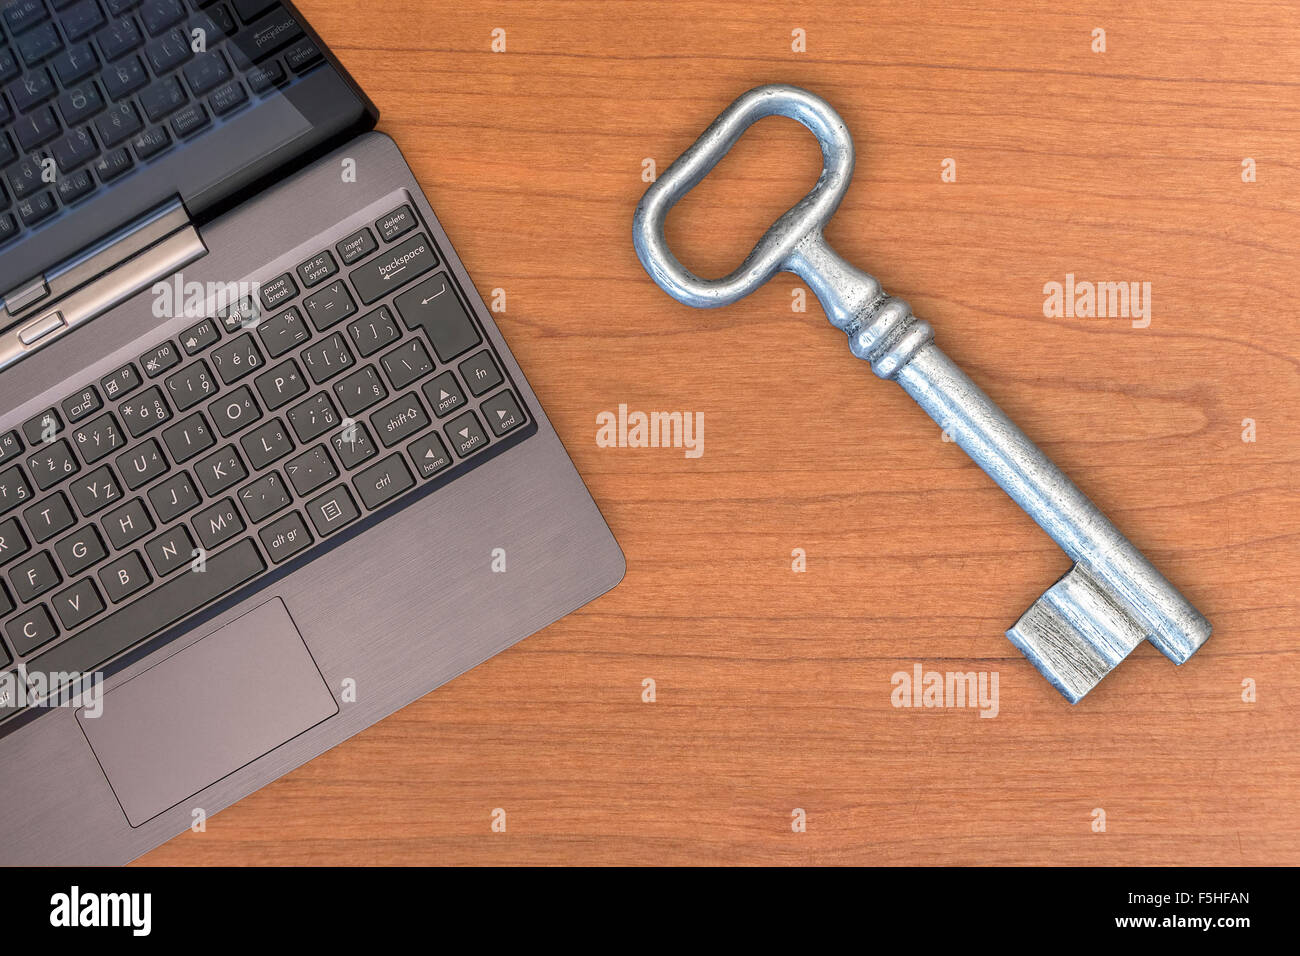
[{"x": 394, "y": 268}]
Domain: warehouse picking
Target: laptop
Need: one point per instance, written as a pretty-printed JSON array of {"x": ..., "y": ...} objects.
[{"x": 268, "y": 469}]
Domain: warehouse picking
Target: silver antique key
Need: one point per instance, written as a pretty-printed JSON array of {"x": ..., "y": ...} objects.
[{"x": 1112, "y": 598}]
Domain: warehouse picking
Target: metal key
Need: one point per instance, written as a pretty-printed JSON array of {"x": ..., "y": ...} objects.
[{"x": 1112, "y": 598}]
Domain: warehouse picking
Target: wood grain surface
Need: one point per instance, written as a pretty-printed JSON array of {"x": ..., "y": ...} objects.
[{"x": 773, "y": 688}]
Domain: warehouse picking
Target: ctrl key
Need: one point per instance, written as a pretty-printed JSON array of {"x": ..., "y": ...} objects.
[{"x": 285, "y": 538}]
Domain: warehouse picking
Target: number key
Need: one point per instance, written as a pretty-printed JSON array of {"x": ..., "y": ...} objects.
[
  {"x": 236, "y": 359},
  {"x": 52, "y": 464}
]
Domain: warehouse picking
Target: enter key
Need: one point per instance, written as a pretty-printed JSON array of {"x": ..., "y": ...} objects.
[{"x": 434, "y": 307}]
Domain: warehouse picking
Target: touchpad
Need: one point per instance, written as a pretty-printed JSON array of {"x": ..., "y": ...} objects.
[{"x": 206, "y": 711}]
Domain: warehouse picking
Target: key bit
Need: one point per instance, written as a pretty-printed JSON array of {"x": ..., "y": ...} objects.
[{"x": 1112, "y": 598}]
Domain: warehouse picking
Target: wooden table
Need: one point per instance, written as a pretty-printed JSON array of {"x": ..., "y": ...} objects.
[{"x": 772, "y": 687}]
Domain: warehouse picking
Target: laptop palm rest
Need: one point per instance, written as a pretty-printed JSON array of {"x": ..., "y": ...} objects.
[{"x": 206, "y": 711}]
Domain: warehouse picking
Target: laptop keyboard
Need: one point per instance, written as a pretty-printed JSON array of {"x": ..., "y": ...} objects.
[
  {"x": 343, "y": 388},
  {"x": 101, "y": 88}
]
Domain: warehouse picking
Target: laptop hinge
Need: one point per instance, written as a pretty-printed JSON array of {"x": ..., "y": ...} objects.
[{"x": 100, "y": 280}]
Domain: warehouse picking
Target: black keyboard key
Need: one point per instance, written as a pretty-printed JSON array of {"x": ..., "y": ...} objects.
[
  {"x": 121, "y": 382},
  {"x": 160, "y": 359},
  {"x": 113, "y": 164},
  {"x": 119, "y": 123},
  {"x": 312, "y": 418},
  {"x": 122, "y": 578},
  {"x": 399, "y": 420},
  {"x": 73, "y": 186},
  {"x": 280, "y": 385},
  {"x": 124, "y": 77},
  {"x": 190, "y": 385},
  {"x": 317, "y": 269},
  {"x": 74, "y": 149},
  {"x": 502, "y": 412},
  {"x": 141, "y": 464},
  {"x": 150, "y": 143},
  {"x": 394, "y": 268},
  {"x": 40, "y": 44},
  {"x": 285, "y": 538},
  {"x": 81, "y": 19},
  {"x": 11, "y": 446},
  {"x": 443, "y": 394},
  {"x": 188, "y": 437},
  {"x": 48, "y": 517},
  {"x": 75, "y": 63},
  {"x": 227, "y": 98},
  {"x": 146, "y": 411},
  {"x": 22, "y": 14},
  {"x": 31, "y": 629},
  {"x": 244, "y": 314},
  {"x": 78, "y": 604},
  {"x": 189, "y": 120},
  {"x": 9, "y": 65},
  {"x": 352, "y": 445},
  {"x": 95, "y": 491},
  {"x": 278, "y": 291},
  {"x": 282, "y": 332},
  {"x": 206, "y": 71},
  {"x": 396, "y": 223},
  {"x": 217, "y": 524},
  {"x": 170, "y": 551},
  {"x": 51, "y": 464},
  {"x": 356, "y": 246},
  {"x": 265, "y": 76},
  {"x": 331, "y": 305},
  {"x": 14, "y": 489},
  {"x": 383, "y": 481},
  {"x": 33, "y": 577},
  {"x": 311, "y": 470},
  {"x": 268, "y": 35},
  {"x": 237, "y": 358},
  {"x": 79, "y": 550},
  {"x": 373, "y": 331},
  {"x": 480, "y": 372},
  {"x": 332, "y": 510},
  {"x": 127, "y": 523},
  {"x": 302, "y": 56},
  {"x": 466, "y": 434},
  {"x": 98, "y": 438},
  {"x": 406, "y": 363},
  {"x": 80, "y": 102},
  {"x": 198, "y": 337},
  {"x": 234, "y": 411},
  {"x": 36, "y": 208},
  {"x": 168, "y": 51},
  {"x": 36, "y": 128},
  {"x": 216, "y": 24},
  {"x": 173, "y": 497},
  {"x": 42, "y": 428},
  {"x": 25, "y": 177},
  {"x": 13, "y": 543},
  {"x": 435, "y": 308},
  {"x": 428, "y": 454},
  {"x": 118, "y": 37},
  {"x": 359, "y": 391},
  {"x": 220, "y": 470},
  {"x": 249, "y": 9},
  {"x": 31, "y": 90},
  {"x": 162, "y": 97},
  {"x": 268, "y": 443},
  {"x": 8, "y": 227},
  {"x": 327, "y": 358},
  {"x": 158, "y": 15},
  {"x": 264, "y": 497}
]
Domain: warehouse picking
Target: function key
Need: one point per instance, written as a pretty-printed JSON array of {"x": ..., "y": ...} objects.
[
  {"x": 121, "y": 382},
  {"x": 357, "y": 246},
  {"x": 244, "y": 314},
  {"x": 42, "y": 428},
  {"x": 396, "y": 223},
  {"x": 278, "y": 291},
  {"x": 480, "y": 372},
  {"x": 11, "y": 446},
  {"x": 317, "y": 269},
  {"x": 160, "y": 359},
  {"x": 198, "y": 337},
  {"x": 24, "y": 14},
  {"x": 77, "y": 407}
]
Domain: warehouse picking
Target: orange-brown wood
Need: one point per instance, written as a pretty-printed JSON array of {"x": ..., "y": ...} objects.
[{"x": 773, "y": 688}]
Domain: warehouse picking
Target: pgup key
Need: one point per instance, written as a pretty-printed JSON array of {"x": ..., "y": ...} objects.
[{"x": 1112, "y": 598}]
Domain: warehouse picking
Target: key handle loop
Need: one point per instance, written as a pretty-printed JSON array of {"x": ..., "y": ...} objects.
[{"x": 776, "y": 250}]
